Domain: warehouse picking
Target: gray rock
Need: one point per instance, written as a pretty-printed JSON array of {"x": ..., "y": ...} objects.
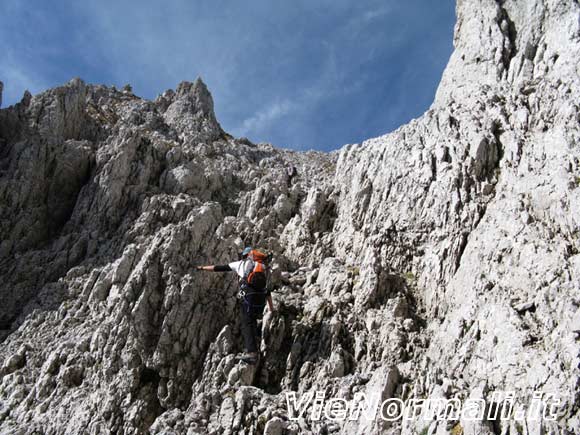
[
  {"x": 525, "y": 306},
  {"x": 274, "y": 426},
  {"x": 14, "y": 362},
  {"x": 422, "y": 263}
]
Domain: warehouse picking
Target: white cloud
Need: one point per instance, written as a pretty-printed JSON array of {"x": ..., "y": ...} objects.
[
  {"x": 364, "y": 18},
  {"x": 262, "y": 118},
  {"x": 376, "y": 13},
  {"x": 16, "y": 80},
  {"x": 271, "y": 79}
]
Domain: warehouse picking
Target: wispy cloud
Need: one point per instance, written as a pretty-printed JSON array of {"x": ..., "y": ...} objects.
[
  {"x": 18, "y": 79},
  {"x": 262, "y": 119},
  {"x": 301, "y": 73},
  {"x": 376, "y": 13},
  {"x": 369, "y": 16}
]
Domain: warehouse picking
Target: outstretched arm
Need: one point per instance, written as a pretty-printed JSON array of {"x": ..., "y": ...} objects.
[{"x": 217, "y": 268}]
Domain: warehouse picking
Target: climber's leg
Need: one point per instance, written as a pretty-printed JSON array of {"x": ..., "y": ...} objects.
[{"x": 249, "y": 330}]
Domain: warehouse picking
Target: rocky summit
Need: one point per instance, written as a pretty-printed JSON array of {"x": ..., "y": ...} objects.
[{"x": 440, "y": 261}]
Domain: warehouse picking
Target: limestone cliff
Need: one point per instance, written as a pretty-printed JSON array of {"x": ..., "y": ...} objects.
[{"x": 438, "y": 261}]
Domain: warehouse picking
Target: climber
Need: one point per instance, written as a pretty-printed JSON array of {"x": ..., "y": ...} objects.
[{"x": 254, "y": 293}]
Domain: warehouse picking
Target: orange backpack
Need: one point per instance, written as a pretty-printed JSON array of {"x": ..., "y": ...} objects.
[
  {"x": 258, "y": 278},
  {"x": 255, "y": 286}
]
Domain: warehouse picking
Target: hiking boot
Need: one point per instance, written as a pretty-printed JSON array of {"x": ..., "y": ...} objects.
[{"x": 249, "y": 358}]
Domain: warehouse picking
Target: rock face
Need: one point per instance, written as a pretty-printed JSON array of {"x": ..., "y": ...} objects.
[{"x": 439, "y": 261}]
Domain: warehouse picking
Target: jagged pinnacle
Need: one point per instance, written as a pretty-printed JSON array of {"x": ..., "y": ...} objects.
[{"x": 192, "y": 110}]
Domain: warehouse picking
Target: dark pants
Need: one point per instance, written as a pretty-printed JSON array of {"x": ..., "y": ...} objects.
[{"x": 249, "y": 325}]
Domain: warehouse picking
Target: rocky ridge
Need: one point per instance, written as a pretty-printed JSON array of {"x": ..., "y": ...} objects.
[{"x": 440, "y": 260}]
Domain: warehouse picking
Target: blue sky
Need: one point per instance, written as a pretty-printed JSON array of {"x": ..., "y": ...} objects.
[{"x": 300, "y": 74}]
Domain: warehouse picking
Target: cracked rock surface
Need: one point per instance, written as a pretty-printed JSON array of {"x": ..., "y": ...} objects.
[{"x": 438, "y": 261}]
